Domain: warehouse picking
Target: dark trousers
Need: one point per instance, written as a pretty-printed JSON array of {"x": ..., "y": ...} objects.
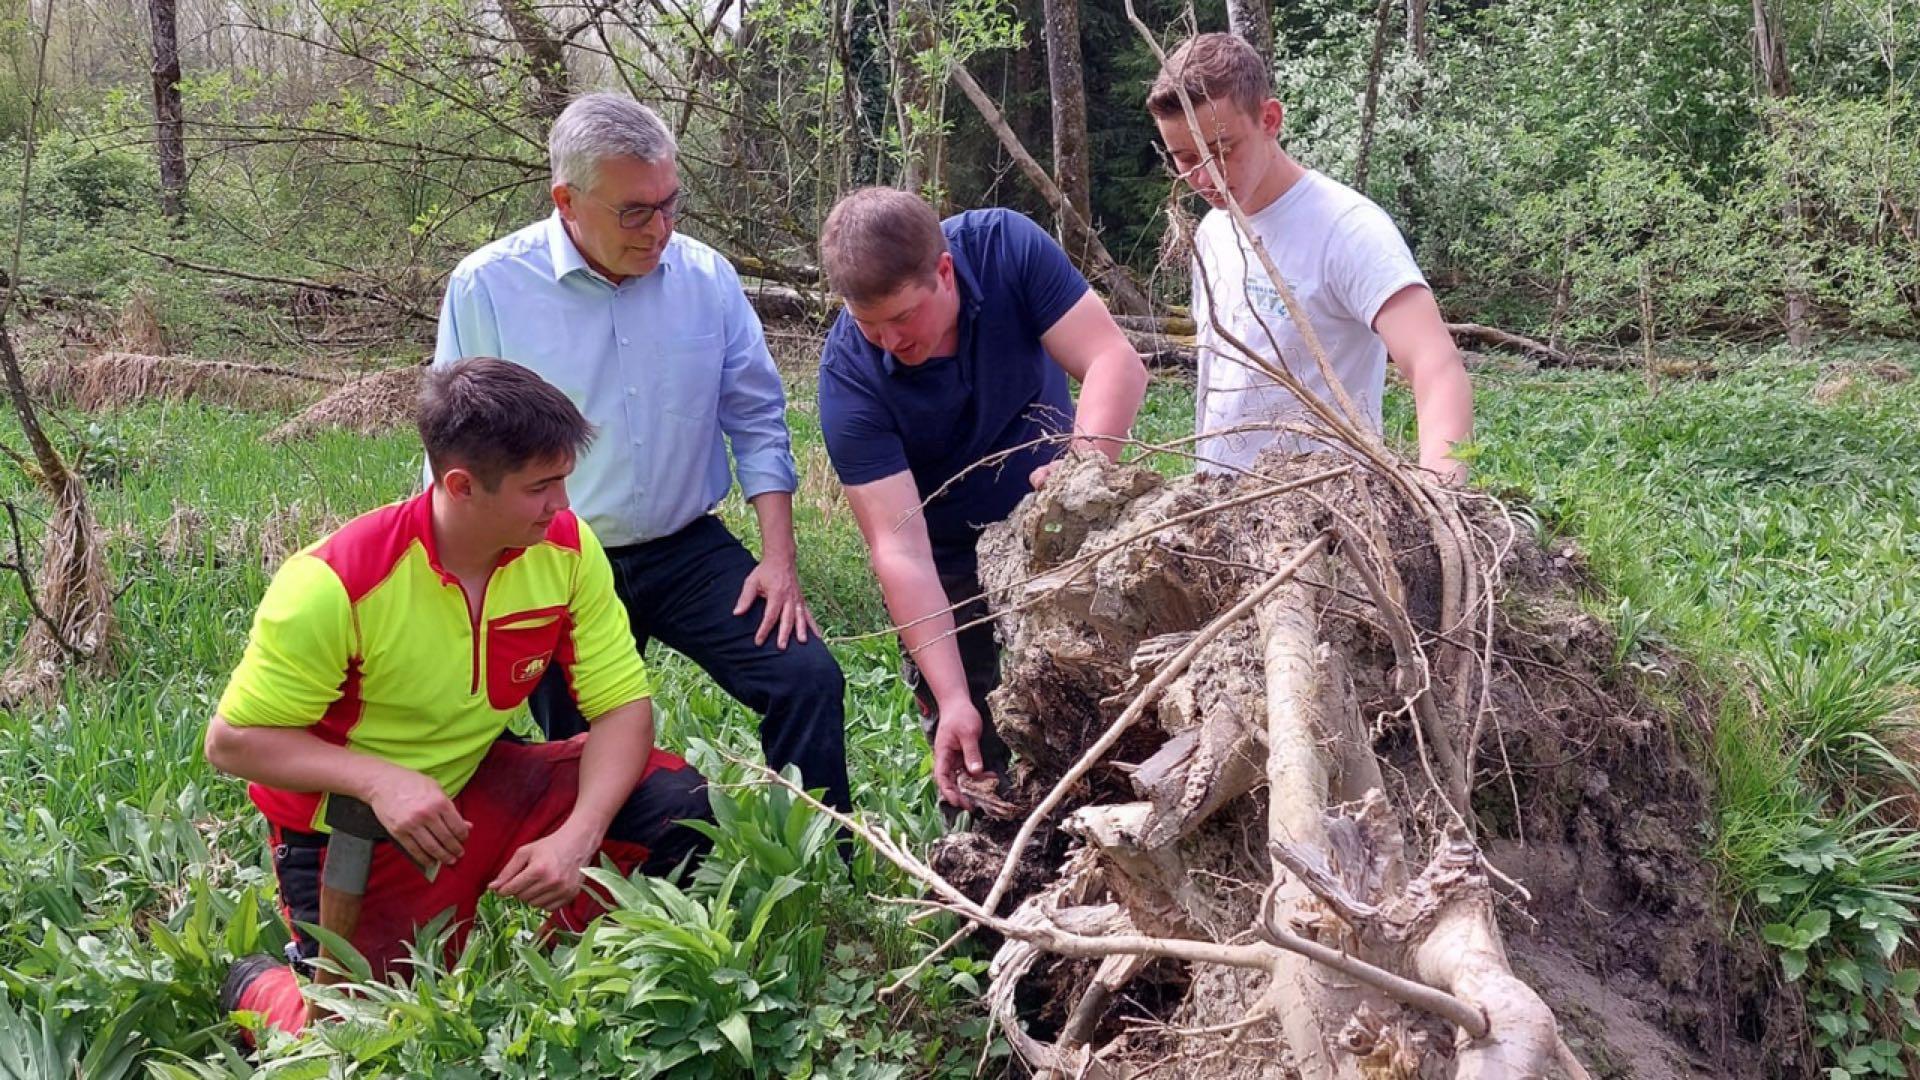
[
  {"x": 979, "y": 657},
  {"x": 681, "y": 590}
]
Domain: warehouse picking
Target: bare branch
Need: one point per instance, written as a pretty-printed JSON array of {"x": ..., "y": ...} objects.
[{"x": 18, "y": 564}]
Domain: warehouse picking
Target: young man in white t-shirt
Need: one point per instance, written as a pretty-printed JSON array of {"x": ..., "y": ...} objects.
[{"x": 1340, "y": 254}]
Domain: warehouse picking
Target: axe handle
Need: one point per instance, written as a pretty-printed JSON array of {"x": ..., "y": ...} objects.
[
  {"x": 343, "y": 880},
  {"x": 339, "y": 914}
]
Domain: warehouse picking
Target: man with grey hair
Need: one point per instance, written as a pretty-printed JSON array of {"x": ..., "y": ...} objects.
[{"x": 649, "y": 333}]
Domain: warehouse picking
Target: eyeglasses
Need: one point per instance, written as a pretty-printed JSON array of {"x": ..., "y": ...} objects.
[{"x": 640, "y": 215}]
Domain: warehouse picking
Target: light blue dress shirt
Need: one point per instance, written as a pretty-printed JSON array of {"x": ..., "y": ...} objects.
[{"x": 669, "y": 368}]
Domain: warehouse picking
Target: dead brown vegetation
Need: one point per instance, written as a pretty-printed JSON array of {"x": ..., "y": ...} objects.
[
  {"x": 370, "y": 405},
  {"x": 1853, "y": 379},
  {"x": 117, "y": 380}
]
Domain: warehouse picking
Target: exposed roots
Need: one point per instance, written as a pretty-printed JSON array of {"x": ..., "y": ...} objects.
[{"x": 1236, "y": 763}]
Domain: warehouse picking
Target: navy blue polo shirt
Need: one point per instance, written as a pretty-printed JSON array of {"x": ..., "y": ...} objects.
[{"x": 1000, "y": 389}]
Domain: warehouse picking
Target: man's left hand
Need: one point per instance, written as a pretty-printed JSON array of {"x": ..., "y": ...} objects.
[
  {"x": 547, "y": 872},
  {"x": 786, "y": 611}
]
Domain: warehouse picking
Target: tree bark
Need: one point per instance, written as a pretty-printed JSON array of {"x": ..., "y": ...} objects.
[
  {"x": 1420, "y": 47},
  {"x": 1066, "y": 80},
  {"x": 1123, "y": 295},
  {"x": 916, "y": 99},
  {"x": 169, "y": 136},
  {"x": 546, "y": 59},
  {"x": 1776, "y": 83},
  {"x": 1252, "y": 20},
  {"x": 1370, "y": 104}
]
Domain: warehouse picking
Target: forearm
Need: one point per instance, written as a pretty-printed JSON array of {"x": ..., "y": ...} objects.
[
  {"x": 1416, "y": 337},
  {"x": 618, "y": 746},
  {"x": 293, "y": 759},
  {"x": 1109, "y": 400},
  {"x": 1443, "y": 409},
  {"x": 918, "y": 604},
  {"x": 774, "y": 509}
]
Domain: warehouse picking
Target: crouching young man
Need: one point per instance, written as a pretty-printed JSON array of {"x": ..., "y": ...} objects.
[{"x": 386, "y": 663}]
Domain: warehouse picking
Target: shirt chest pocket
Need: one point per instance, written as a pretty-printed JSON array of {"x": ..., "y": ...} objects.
[
  {"x": 520, "y": 648},
  {"x": 683, "y": 380}
]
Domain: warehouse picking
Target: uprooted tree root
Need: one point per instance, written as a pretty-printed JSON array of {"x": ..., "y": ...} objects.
[
  {"x": 1236, "y": 843},
  {"x": 1241, "y": 719}
]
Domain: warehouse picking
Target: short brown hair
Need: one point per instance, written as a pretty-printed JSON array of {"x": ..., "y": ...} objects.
[
  {"x": 491, "y": 418},
  {"x": 878, "y": 239},
  {"x": 1210, "y": 67}
]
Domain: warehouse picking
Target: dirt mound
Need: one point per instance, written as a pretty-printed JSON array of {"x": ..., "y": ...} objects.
[
  {"x": 116, "y": 380},
  {"x": 371, "y": 405},
  {"x": 1267, "y": 696},
  {"x": 1852, "y": 378}
]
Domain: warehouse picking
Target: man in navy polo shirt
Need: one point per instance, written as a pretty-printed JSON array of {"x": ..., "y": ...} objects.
[{"x": 956, "y": 344}]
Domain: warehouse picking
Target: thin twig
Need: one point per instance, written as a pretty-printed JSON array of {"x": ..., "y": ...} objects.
[
  {"x": 1258, "y": 957},
  {"x": 298, "y": 283}
]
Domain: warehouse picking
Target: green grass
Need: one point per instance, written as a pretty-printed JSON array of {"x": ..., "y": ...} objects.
[{"x": 1771, "y": 541}]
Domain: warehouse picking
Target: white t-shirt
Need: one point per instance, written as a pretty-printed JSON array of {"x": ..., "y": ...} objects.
[{"x": 1343, "y": 258}]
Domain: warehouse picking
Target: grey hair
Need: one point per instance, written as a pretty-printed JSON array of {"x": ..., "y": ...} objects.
[{"x": 596, "y": 127}]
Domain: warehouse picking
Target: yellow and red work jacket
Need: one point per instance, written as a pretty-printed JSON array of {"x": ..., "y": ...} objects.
[{"x": 367, "y": 641}]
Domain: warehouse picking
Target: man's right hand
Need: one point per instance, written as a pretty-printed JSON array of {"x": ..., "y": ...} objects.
[
  {"x": 419, "y": 816},
  {"x": 956, "y": 745}
]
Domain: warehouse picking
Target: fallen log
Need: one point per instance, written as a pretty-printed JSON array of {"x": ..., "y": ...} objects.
[
  {"x": 1180, "y": 326},
  {"x": 1162, "y": 350},
  {"x": 784, "y": 302},
  {"x": 1506, "y": 339}
]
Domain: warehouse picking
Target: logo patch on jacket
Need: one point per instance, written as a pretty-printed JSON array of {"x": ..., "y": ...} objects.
[{"x": 529, "y": 669}]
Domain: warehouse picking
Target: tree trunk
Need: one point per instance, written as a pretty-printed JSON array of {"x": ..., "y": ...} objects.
[
  {"x": 1123, "y": 295},
  {"x": 1065, "y": 78},
  {"x": 1420, "y": 47},
  {"x": 916, "y": 99},
  {"x": 1370, "y": 104},
  {"x": 546, "y": 59},
  {"x": 1776, "y": 83},
  {"x": 169, "y": 137},
  {"x": 1253, "y": 21}
]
